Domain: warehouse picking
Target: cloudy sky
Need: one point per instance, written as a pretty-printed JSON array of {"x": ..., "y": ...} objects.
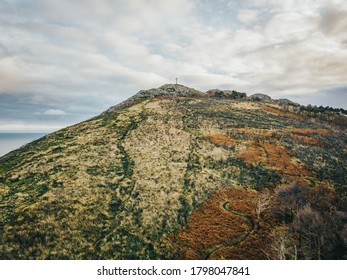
[{"x": 65, "y": 61}]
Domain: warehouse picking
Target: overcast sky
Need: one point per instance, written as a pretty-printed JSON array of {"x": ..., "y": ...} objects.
[{"x": 64, "y": 61}]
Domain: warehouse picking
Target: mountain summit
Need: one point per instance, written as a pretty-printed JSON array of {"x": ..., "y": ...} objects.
[
  {"x": 176, "y": 173},
  {"x": 168, "y": 90}
]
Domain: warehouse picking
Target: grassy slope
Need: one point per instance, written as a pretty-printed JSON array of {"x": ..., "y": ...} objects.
[{"x": 117, "y": 186}]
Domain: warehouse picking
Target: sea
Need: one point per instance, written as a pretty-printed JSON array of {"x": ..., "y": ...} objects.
[{"x": 12, "y": 141}]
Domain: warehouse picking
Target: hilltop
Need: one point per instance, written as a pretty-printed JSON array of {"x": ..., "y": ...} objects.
[{"x": 176, "y": 173}]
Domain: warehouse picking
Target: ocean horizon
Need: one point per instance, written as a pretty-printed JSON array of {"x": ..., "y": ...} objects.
[{"x": 12, "y": 141}]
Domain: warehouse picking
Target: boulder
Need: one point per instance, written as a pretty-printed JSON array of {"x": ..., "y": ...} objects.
[
  {"x": 215, "y": 93},
  {"x": 233, "y": 94},
  {"x": 260, "y": 97},
  {"x": 285, "y": 101},
  {"x": 229, "y": 94}
]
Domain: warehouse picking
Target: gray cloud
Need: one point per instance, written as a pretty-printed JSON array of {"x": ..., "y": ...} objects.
[
  {"x": 81, "y": 57},
  {"x": 54, "y": 112},
  {"x": 334, "y": 24}
]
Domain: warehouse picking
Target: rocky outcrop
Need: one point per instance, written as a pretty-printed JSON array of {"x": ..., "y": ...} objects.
[
  {"x": 172, "y": 90},
  {"x": 215, "y": 93},
  {"x": 177, "y": 90},
  {"x": 285, "y": 101},
  {"x": 228, "y": 94},
  {"x": 180, "y": 90},
  {"x": 260, "y": 97},
  {"x": 233, "y": 94}
]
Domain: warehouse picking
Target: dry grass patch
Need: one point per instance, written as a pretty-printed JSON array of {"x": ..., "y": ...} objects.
[
  {"x": 310, "y": 131},
  {"x": 281, "y": 113},
  {"x": 306, "y": 135},
  {"x": 220, "y": 139},
  {"x": 244, "y": 105},
  {"x": 277, "y": 157},
  {"x": 212, "y": 232}
]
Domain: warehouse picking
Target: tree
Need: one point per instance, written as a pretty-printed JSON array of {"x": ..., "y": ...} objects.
[
  {"x": 319, "y": 234},
  {"x": 289, "y": 199},
  {"x": 312, "y": 221},
  {"x": 283, "y": 246},
  {"x": 309, "y": 225},
  {"x": 263, "y": 203}
]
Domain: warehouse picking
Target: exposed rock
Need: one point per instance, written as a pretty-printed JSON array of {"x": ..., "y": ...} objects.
[
  {"x": 172, "y": 90},
  {"x": 229, "y": 94},
  {"x": 260, "y": 97},
  {"x": 285, "y": 101},
  {"x": 215, "y": 93},
  {"x": 141, "y": 95},
  {"x": 176, "y": 90},
  {"x": 233, "y": 94},
  {"x": 180, "y": 90}
]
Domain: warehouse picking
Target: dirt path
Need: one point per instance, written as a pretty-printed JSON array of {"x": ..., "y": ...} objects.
[{"x": 225, "y": 206}]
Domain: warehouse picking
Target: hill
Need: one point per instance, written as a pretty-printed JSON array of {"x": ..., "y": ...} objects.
[{"x": 175, "y": 173}]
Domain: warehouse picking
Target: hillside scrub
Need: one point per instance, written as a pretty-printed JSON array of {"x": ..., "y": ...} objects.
[{"x": 176, "y": 173}]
